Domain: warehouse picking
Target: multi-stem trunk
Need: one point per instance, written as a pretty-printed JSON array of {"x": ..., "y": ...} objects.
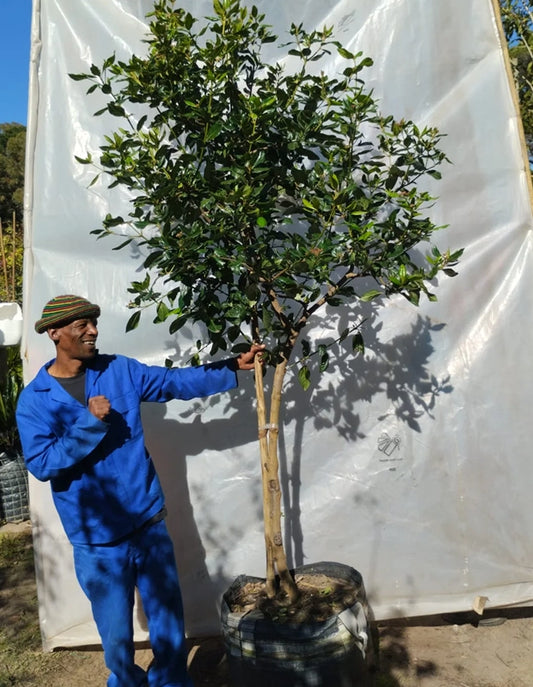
[{"x": 276, "y": 559}]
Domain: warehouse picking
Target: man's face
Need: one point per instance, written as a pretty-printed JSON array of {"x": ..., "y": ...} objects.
[{"x": 76, "y": 340}]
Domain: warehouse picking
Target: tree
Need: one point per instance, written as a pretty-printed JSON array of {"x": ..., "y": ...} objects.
[
  {"x": 12, "y": 151},
  {"x": 262, "y": 197},
  {"x": 517, "y": 18}
]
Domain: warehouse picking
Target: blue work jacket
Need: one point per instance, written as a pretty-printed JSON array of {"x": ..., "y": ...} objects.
[{"x": 103, "y": 480}]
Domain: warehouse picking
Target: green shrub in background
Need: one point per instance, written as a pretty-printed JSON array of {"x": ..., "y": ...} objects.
[
  {"x": 10, "y": 388},
  {"x": 12, "y": 155},
  {"x": 11, "y": 256},
  {"x": 517, "y": 18}
]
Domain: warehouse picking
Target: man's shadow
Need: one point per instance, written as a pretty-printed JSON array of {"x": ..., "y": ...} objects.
[{"x": 170, "y": 443}]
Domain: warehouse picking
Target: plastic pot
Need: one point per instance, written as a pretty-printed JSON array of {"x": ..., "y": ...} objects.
[
  {"x": 330, "y": 653},
  {"x": 13, "y": 488}
]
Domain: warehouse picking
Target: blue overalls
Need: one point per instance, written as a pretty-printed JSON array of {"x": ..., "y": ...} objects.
[{"x": 109, "y": 499}]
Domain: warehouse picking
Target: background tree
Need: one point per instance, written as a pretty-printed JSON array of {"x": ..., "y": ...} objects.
[
  {"x": 262, "y": 197},
  {"x": 517, "y": 17},
  {"x": 12, "y": 152}
]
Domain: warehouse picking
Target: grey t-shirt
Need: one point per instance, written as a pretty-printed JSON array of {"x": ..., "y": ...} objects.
[{"x": 75, "y": 386}]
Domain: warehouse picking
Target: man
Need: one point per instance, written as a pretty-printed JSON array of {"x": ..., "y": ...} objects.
[{"x": 80, "y": 426}]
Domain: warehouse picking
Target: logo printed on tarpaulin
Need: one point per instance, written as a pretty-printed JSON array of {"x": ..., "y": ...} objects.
[
  {"x": 389, "y": 449},
  {"x": 387, "y": 444}
]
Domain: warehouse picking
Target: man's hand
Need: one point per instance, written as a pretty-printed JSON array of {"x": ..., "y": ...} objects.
[
  {"x": 99, "y": 406},
  {"x": 246, "y": 360}
]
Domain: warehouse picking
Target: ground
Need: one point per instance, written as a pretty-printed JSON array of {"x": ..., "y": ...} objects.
[{"x": 463, "y": 650}]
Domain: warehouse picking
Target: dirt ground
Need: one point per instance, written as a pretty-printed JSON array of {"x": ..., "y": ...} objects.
[{"x": 461, "y": 650}]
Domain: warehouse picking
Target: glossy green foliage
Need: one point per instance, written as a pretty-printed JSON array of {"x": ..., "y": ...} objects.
[{"x": 261, "y": 193}]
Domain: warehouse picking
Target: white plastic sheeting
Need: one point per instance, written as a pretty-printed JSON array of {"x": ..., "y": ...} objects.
[
  {"x": 10, "y": 324},
  {"x": 413, "y": 464}
]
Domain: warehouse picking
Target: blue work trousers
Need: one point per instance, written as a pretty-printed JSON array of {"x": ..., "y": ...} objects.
[{"x": 108, "y": 575}]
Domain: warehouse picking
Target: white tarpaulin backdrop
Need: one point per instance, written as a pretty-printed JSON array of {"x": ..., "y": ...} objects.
[{"x": 413, "y": 464}]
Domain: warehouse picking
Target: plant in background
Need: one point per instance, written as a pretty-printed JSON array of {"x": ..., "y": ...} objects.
[
  {"x": 517, "y": 18},
  {"x": 12, "y": 149},
  {"x": 10, "y": 388},
  {"x": 11, "y": 254},
  {"x": 263, "y": 195}
]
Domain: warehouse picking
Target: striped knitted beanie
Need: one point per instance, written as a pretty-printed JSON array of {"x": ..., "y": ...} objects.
[{"x": 61, "y": 310}]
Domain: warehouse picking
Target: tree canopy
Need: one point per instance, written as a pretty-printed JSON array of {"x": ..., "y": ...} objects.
[{"x": 261, "y": 195}]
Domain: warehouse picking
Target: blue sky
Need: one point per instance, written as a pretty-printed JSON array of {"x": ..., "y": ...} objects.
[{"x": 15, "y": 26}]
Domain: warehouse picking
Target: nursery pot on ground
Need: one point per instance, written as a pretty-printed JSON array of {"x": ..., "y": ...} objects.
[
  {"x": 265, "y": 649},
  {"x": 14, "y": 506}
]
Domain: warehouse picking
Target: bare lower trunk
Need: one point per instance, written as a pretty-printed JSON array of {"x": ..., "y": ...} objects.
[{"x": 276, "y": 559}]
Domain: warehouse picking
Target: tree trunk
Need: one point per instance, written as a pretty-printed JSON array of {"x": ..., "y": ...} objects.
[{"x": 276, "y": 559}]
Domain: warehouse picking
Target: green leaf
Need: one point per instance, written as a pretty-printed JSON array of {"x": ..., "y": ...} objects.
[
  {"x": 116, "y": 110},
  {"x": 109, "y": 61},
  {"x": 370, "y": 295},
  {"x": 308, "y": 204},
  {"x": 214, "y": 130},
  {"x": 110, "y": 221},
  {"x": 162, "y": 312},
  {"x": 79, "y": 77},
  {"x": 133, "y": 322},
  {"x": 304, "y": 377},
  {"x": 345, "y": 53},
  {"x": 123, "y": 244},
  {"x": 84, "y": 160},
  {"x": 177, "y": 324},
  {"x": 154, "y": 257},
  {"x": 358, "y": 345}
]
